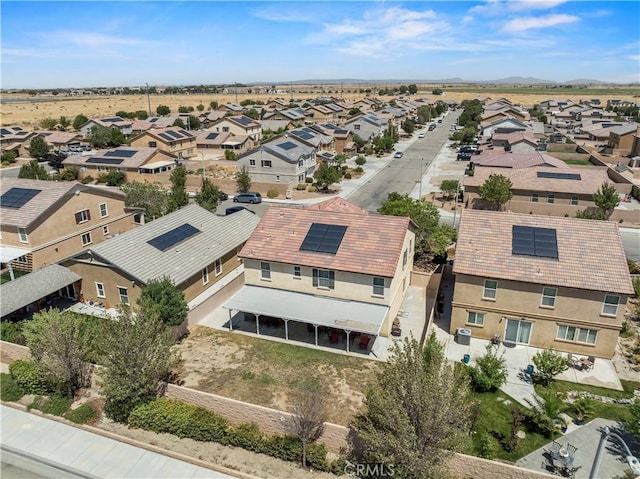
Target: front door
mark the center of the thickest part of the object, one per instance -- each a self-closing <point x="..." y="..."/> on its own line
<point x="518" y="331"/>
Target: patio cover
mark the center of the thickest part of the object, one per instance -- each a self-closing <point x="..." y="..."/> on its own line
<point x="308" y="308"/>
<point x="31" y="287"/>
<point x="9" y="253"/>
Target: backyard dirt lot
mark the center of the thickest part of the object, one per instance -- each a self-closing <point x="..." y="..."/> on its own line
<point x="266" y="372"/>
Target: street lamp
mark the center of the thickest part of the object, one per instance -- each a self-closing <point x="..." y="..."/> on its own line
<point x="203" y="165"/>
<point x="633" y="461"/>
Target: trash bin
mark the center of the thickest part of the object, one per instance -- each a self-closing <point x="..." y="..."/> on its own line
<point x="464" y="336"/>
<point x="530" y="369"/>
<point x="466" y="358"/>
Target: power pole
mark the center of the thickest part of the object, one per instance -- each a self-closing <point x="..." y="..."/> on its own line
<point x="148" y="99"/>
<point x="236" y="93"/>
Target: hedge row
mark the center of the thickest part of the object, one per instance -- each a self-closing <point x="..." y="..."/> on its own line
<point x="184" y="420"/>
<point x="30" y="377"/>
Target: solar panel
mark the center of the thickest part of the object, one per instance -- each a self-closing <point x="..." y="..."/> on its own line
<point x="532" y="241"/>
<point x="211" y="136"/>
<point x="559" y="176"/>
<point x="112" y="120"/>
<point x="287" y="145"/>
<point x="104" y="161"/>
<point x="323" y="238"/>
<point x="4" y="131"/>
<point x="165" y="136"/>
<point x="244" y="120"/>
<point x="121" y="153"/>
<point x="153" y="120"/>
<point x="173" y="237"/>
<point x="174" y="134"/>
<point x="303" y="134"/>
<point x="17" y="197"/>
<point x="184" y="133"/>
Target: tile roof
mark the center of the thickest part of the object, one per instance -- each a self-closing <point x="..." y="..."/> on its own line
<point x="51" y="192"/>
<point x="507" y="159"/>
<point x="59" y="137"/>
<point x="218" y="235"/>
<point x="131" y="157"/>
<point x="168" y="135"/>
<point x="371" y="245"/>
<point x="591" y="178"/>
<point x="515" y="137"/>
<point x="590" y="252"/>
<point x="338" y="205"/>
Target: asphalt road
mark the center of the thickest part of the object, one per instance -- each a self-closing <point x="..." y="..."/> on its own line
<point x="631" y="242"/>
<point x="402" y="174"/>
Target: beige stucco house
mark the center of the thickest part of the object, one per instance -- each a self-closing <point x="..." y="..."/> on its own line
<point x="543" y="281"/>
<point x="238" y="125"/>
<point x="172" y="140"/>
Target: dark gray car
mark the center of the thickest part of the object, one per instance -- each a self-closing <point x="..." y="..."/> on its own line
<point x="252" y="198"/>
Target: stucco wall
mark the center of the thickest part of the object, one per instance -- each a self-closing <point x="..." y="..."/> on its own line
<point x="12" y="352"/>
<point x="462" y="466"/>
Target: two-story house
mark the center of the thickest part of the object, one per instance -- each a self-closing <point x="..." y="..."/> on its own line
<point x="111" y="122"/>
<point x="542" y="281"/>
<point x="314" y="138"/>
<point x="331" y="265"/>
<point x="367" y="126"/>
<point x="172" y="140"/>
<point x="15" y="138"/>
<point x="45" y="221"/>
<point x="238" y="125"/>
<point x="283" y="160"/>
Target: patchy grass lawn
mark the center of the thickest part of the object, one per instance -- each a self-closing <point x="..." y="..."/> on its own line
<point x="267" y="372"/>
<point x="4" y="277"/>
<point x="578" y="162"/>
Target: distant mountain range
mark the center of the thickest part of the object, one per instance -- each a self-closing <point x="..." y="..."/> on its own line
<point x="515" y="80"/>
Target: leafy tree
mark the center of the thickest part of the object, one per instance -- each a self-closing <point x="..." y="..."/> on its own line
<point x="496" y="190"/>
<point x="183" y="109"/>
<point x="354" y="111"/>
<point x="8" y="157"/>
<point x="104" y="136"/>
<point x="413" y="88"/>
<point x="546" y="410"/>
<point x="440" y="239"/>
<point x="229" y="155"/>
<point x="490" y="372"/>
<point x="425" y="215"/>
<point x="633" y="424"/>
<point x="466" y="135"/>
<point x="418" y="413"/>
<point x="207" y="197"/>
<point x="549" y="364"/>
<point x="437" y="91"/>
<point x="194" y="122"/>
<point x="113" y="178"/>
<point x="309" y="413"/>
<point x="606" y="198"/>
<point x="326" y="175"/>
<point x="243" y="179"/>
<point x="179" y="123"/>
<point x="79" y="120"/>
<point x="141" y="115"/>
<point x="48" y="123"/>
<point x="433" y="350"/>
<point x="359" y="142"/>
<point x="384" y="143"/>
<point x="33" y="170"/>
<point x="38" y="148"/>
<point x="64" y="123"/>
<point x="70" y="173"/>
<point x="408" y="126"/>
<point x="137" y="355"/>
<point x="161" y="298"/>
<point x="200" y="107"/>
<point x="597" y="214"/>
<point x="122" y="114"/>
<point x="214" y="105"/>
<point x="252" y="113"/>
<point x="58" y="343"/>
<point x="449" y="187"/>
<point x="424" y="114"/>
<point x="149" y="196"/>
<point x="178" y="196"/>
<point x="163" y="110"/>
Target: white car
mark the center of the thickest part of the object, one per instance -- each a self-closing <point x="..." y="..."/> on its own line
<point x="421" y="134"/>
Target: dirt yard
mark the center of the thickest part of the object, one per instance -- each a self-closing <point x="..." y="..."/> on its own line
<point x="267" y="372"/>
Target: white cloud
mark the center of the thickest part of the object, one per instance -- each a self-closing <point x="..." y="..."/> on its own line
<point x="19" y="52"/>
<point x="529" y="23"/>
<point x="467" y="19"/>
<point x="499" y="7"/>
<point x="519" y="6"/>
<point x="95" y="39"/>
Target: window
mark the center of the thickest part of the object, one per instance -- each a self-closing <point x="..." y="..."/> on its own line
<point x="86" y="239"/>
<point x="580" y="335"/>
<point x="82" y="216"/>
<point x="574" y="201"/>
<point x="610" y="306"/>
<point x="100" y="290"/>
<point x="297" y="273"/>
<point x="105" y="230"/>
<point x="548" y="297"/>
<point x="153" y="144"/>
<point x="323" y="278"/>
<point x="124" y="295"/>
<point x="356" y="126"/>
<point x="103" y="210"/>
<point x="475" y="318"/>
<point x="137" y="218"/>
<point x="277" y="178"/>
<point x="252" y="162"/>
<point x="551" y="199"/>
<point x="21" y="259"/>
<point x="225" y="129"/>
<point x="265" y="270"/>
<point x="534" y="197"/>
<point x="218" y="267"/>
<point x="300" y="163"/>
<point x="266" y="163"/>
<point x="22" y="234"/>
<point x="490" y="289"/>
<point x="205" y="275"/>
<point x="378" y="286"/>
<point x="405" y="258"/>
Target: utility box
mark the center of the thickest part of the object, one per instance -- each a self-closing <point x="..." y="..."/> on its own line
<point x="463" y="336"/>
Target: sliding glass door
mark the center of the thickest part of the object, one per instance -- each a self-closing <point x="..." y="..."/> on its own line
<point x="518" y="331"/>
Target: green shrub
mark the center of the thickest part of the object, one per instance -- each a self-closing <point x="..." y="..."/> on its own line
<point x="361" y="160"/>
<point x="636" y="287"/>
<point x="490" y="371"/>
<point x="358" y="169"/>
<point x="487" y="446"/>
<point x="86" y="180"/>
<point x="308" y="179"/>
<point x="30" y="377"/>
<point x="11" y="331"/>
<point x="56" y="405"/>
<point x="301" y="187"/>
<point x="9" y="389"/>
<point x="273" y="193"/>
<point x="347" y="176"/>
<point x="8" y="157"/>
<point x="83" y="414"/>
<point x="312" y="189"/>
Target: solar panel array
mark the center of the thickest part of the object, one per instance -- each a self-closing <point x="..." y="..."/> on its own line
<point x="121" y="153"/>
<point x="302" y="134"/>
<point x="165" y="136"/>
<point x="17" y="197"/>
<point x="173" y="237"/>
<point x="211" y="136"/>
<point x="4" y="131"/>
<point x="323" y="238"/>
<point x="104" y="161"/>
<point x="174" y="134"/>
<point x="244" y="120"/>
<point x="533" y="241"/>
<point x="112" y="120"/>
<point x="559" y="176"/>
<point x="287" y="145"/>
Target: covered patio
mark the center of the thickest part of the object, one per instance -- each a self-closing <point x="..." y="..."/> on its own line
<point x="351" y="326"/>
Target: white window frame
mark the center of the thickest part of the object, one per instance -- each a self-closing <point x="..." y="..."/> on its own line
<point x="297" y="272"/>
<point x="106" y="210"/>
<point x="485" y="289"/>
<point x="475" y="318"/>
<point x="125" y="295"/>
<point x="574" y="200"/>
<point x="551" y="199"/>
<point x="217" y="265"/>
<point x="266" y="163"/>
<point x="22" y="235"/>
<point x="100" y="291"/>
<point x="405" y="258"/>
<point x="265" y="270"/>
<point x="205" y="275"/>
<point x="252" y="162"/>
<point x="548" y="300"/>
<point x="86" y="238"/>
<point x="83" y="215"/>
<point x="377" y="289"/>
<point x="324" y="278"/>
<point x="575" y="334"/>
<point x="105" y="230"/>
<point x="606" y="305"/>
<point x="535" y="197"/>
<point x="277" y="178"/>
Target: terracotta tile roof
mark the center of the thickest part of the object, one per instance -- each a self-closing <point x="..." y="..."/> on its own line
<point x="338" y="205"/>
<point x="591" y="178"/>
<point x="371" y="245"/>
<point x="59" y="137"/>
<point x="590" y="252"/>
<point x="516" y="160"/>
<point x="515" y="137"/>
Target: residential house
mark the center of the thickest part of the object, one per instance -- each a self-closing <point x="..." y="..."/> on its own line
<point x="509" y="159"/>
<point x="231" y="108"/>
<point x="208" y="117"/>
<point x="367" y="126"/>
<point x="490" y="116"/>
<point x="313" y="138"/>
<point x="137" y="164"/>
<point x="621" y="138"/>
<point x="343" y="139"/>
<point x="544" y="281"/>
<point x="635" y="145"/>
<point x="15" y="138"/>
<point x="517" y="141"/>
<point x="368" y="104"/>
<point x="125" y="126"/>
<point x="282" y="160"/>
<point x="45" y="221"/>
<point x="60" y="140"/>
<point x="320" y="114"/>
<point x="238" y="125"/>
<point x="275" y="126"/>
<point x="211" y="142"/>
<point x="329" y="267"/>
<point x="139" y="126"/>
<point x="277" y="104"/>
<point x="194" y="248"/>
<point x="505" y="124"/>
<point x="172" y="140"/>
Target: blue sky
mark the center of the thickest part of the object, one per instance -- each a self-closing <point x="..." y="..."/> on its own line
<point x="85" y="44"/>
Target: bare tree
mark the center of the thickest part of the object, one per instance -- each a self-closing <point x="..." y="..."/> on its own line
<point x="309" y="413"/>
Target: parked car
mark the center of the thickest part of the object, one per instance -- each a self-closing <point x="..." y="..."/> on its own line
<point x="222" y="196"/>
<point x="398" y="154"/>
<point x="432" y="126"/>
<point x="468" y="149"/>
<point x="234" y="209"/>
<point x="421" y="134"/>
<point x="248" y="198"/>
<point x="464" y="156"/>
